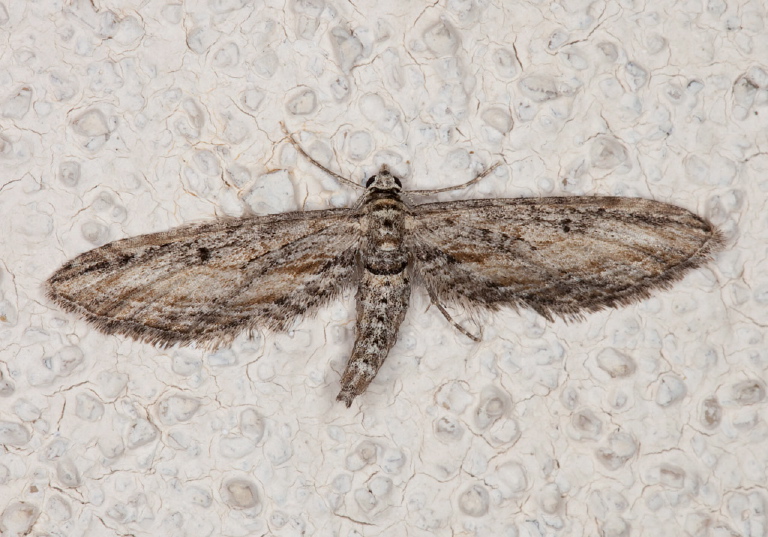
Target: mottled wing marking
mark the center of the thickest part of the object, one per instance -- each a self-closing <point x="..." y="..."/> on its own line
<point x="208" y="282"/>
<point x="559" y="256"/>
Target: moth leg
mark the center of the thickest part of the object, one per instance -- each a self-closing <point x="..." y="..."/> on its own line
<point x="457" y="187"/>
<point x="456" y="325"/>
<point x="382" y="301"/>
<point x="303" y="153"/>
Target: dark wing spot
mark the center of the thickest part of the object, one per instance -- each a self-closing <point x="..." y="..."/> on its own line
<point x="565" y="224"/>
<point x="204" y="253"/>
<point x="124" y="259"/>
<point x="96" y="267"/>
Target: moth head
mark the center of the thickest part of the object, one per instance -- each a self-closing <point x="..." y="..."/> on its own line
<point x="384" y="180"/>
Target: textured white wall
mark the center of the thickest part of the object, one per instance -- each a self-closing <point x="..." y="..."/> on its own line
<point x="119" y="118"/>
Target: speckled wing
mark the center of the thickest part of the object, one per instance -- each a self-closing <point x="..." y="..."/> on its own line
<point x="208" y="282"/>
<point x="561" y="256"/>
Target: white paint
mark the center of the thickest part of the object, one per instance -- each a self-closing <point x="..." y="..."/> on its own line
<point x="171" y="111"/>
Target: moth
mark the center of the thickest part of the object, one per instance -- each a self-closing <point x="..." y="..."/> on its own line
<point x="205" y="283"/>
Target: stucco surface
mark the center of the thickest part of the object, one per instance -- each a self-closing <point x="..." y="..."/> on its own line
<point x="123" y="118"/>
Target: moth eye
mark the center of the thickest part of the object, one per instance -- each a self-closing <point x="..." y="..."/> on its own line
<point x="397" y="182"/>
<point x="370" y="181"/>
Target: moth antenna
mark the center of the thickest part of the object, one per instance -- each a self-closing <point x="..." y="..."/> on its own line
<point x="456" y="187"/>
<point x="306" y="155"/>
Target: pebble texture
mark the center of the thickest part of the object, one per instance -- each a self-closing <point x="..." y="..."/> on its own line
<point x="118" y="119"/>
